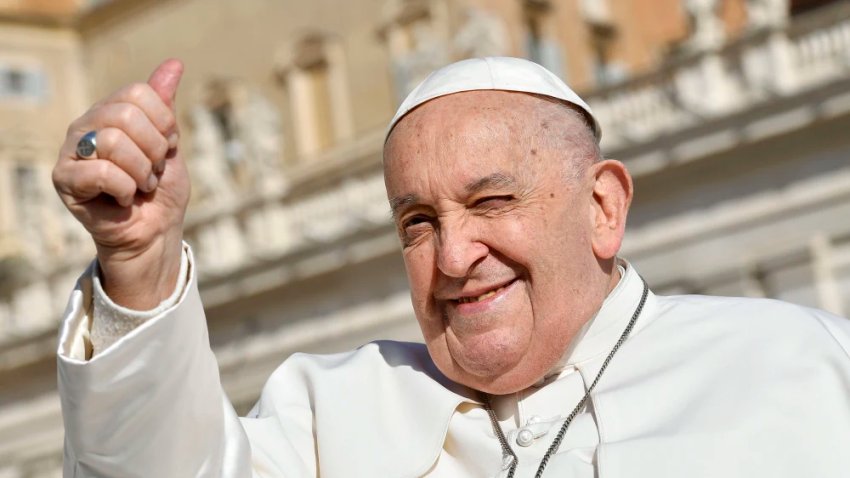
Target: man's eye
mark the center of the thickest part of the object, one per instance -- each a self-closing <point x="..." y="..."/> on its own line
<point x="413" y="221"/>
<point x="414" y="228"/>
<point x="493" y="202"/>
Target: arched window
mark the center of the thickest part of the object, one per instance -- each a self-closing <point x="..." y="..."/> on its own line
<point x="603" y="34"/>
<point x="22" y="82"/>
<point x="313" y="73"/>
<point x="541" y="43"/>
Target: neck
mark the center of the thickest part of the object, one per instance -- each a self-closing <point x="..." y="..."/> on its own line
<point x="615" y="275"/>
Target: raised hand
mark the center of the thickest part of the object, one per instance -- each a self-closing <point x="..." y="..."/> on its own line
<point x="131" y="193"/>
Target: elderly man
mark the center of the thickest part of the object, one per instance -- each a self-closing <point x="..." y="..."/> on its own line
<point x="545" y="354"/>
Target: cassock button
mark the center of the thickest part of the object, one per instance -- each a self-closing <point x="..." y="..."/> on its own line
<point x="525" y="437"/>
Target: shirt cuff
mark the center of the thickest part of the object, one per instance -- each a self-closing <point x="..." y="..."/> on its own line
<point x="111" y="321"/>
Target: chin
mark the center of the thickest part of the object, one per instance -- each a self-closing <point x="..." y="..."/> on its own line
<point x="493" y="371"/>
<point x="501" y="385"/>
<point x="500" y="373"/>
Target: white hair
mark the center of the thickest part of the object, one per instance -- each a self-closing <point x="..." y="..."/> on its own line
<point x="563" y="127"/>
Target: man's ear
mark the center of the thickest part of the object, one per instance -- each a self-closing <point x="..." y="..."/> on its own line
<point x="612" y="196"/>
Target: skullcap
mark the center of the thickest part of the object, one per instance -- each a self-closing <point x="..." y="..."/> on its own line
<point x="492" y="73"/>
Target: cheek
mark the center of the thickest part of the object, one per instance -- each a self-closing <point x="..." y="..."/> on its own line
<point x="514" y="238"/>
<point x="419" y="263"/>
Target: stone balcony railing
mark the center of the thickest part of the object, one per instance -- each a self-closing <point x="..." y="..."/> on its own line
<point x="762" y="65"/>
<point x="342" y="194"/>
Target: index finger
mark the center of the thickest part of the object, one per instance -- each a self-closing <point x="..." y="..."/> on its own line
<point x="148" y="100"/>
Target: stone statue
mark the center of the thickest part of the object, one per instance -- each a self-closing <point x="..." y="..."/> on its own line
<point x="707" y="31"/>
<point x="482" y="34"/>
<point x="211" y="177"/>
<point x="236" y="142"/>
<point x="426" y="55"/>
<point x="29" y="206"/>
<point x="257" y="127"/>
<point x="767" y="13"/>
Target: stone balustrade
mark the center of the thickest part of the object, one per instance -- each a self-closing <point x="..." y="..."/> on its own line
<point x="270" y="229"/>
<point x="776" y="61"/>
<point x="821" y="47"/>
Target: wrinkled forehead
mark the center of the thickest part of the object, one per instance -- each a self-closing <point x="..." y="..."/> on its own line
<point x="468" y="135"/>
<point x="463" y="116"/>
<point x="459" y="117"/>
<point x="488" y="119"/>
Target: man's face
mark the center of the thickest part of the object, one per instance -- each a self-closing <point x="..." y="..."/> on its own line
<point x="496" y="239"/>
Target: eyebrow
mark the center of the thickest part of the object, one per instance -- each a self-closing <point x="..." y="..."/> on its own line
<point x="397" y="203"/>
<point x="492" y="181"/>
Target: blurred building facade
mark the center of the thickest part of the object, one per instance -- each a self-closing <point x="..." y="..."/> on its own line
<point x="731" y="115"/>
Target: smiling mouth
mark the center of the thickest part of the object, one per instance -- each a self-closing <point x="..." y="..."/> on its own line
<point x="484" y="296"/>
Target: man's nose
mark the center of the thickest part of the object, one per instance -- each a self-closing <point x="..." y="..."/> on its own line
<point x="459" y="249"/>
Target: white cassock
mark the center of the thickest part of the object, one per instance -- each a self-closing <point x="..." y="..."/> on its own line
<point x="703" y="387"/>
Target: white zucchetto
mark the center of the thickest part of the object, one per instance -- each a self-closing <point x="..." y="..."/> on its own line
<point x="492" y="73"/>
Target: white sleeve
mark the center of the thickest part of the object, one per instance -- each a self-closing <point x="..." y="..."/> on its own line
<point x="151" y="404"/>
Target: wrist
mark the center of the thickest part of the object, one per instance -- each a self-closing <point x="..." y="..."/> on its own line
<point x="141" y="279"/>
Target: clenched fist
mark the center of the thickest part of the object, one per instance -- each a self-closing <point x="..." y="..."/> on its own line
<point x="131" y="193"/>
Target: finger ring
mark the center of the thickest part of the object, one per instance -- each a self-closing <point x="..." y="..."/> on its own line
<point x="87" y="145"/>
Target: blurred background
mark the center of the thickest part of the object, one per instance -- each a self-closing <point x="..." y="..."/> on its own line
<point x="732" y="115"/>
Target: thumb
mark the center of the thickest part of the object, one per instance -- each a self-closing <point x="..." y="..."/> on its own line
<point x="165" y="79"/>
